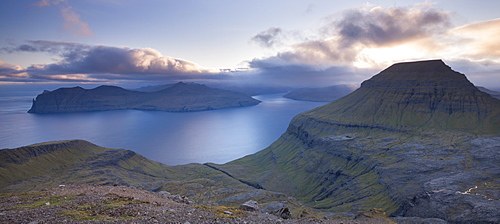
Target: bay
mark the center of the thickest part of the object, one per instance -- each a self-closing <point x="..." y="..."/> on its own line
<point x="215" y="136"/>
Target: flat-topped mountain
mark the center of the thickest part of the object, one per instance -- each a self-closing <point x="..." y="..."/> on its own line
<point x="180" y="97"/>
<point x="324" y="94"/>
<point x="415" y="95"/>
<point x="417" y="139"/>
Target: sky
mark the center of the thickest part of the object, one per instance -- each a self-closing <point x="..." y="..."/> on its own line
<point x="281" y="42"/>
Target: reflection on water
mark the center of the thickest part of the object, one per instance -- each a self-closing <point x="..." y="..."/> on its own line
<point x="171" y="138"/>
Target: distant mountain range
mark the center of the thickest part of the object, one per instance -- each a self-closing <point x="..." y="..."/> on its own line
<point x="417" y="141"/>
<point x="325" y="94"/>
<point x="490" y="92"/>
<point x="179" y="97"/>
<point x="249" y="89"/>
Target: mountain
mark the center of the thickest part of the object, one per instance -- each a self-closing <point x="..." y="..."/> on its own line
<point x="153" y="88"/>
<point x="180" y="97"/>
<point x="252" y="89"/>
<point x="417" y="139"/>
<point x="326" y="94"/>
<point x="52" y="164"/>
<point x="490" y="92"/>
<point x="249" y="89"/>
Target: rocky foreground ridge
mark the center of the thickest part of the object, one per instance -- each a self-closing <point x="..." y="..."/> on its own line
<point x="50" y="183"/>
<point x="180" y="97"/>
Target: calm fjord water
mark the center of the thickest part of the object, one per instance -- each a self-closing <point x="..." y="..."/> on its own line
<point x="172" y="138"/>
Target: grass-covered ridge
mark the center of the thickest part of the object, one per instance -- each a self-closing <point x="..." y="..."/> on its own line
<point x="405" y="142"/>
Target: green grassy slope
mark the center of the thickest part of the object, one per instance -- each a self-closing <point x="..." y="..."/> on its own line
<point x="389" y="145"/>
<point x="51" y="164"/>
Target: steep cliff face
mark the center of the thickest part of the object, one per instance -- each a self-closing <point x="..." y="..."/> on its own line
<point x="417" y="139"/>
<point x="181" y="97"/>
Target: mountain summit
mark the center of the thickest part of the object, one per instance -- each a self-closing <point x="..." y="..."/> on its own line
<point x="415" y="95"/>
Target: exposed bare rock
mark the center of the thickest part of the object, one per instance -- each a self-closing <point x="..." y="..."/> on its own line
<point x="85" y="203"/>
<point x="250" y="206"/>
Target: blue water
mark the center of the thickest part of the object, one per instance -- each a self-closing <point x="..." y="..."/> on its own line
<point x="215" y="136"/>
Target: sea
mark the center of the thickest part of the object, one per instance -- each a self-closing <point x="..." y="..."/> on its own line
<point x="172" y="138"/>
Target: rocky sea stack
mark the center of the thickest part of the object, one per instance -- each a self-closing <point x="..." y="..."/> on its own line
<point x="180" y="97"/>
<point x="416" y="140"/>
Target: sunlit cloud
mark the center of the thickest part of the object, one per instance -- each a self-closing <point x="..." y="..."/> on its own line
<point x="72" y="22"/>
<point x="359" y="34"/>
<point x="479" y="40"/>
<point x="373" y="37"/>
<point x="98" y="62"/>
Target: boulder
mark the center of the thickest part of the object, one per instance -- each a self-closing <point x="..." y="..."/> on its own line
<point x="250" y="205"/>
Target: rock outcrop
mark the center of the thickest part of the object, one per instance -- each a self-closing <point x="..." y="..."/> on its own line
<point x="180" y="97"/>
<point x="416" y="140"/>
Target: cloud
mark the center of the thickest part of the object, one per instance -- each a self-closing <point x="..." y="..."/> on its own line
<point x="343" y="39"/>
<point x="94" y="63"/>
<point x="72" y="22"/>
<point x="375" y="37"/>
<point x="478" y="40"/>
<point x="8" y="71"/>
<point x="384" y="27"/>
<point x="16" y="73"/>
<point x="304" y="76"/>
<point x="267" y="38"/>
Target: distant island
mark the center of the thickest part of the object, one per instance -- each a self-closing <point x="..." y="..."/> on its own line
<point x="179" y="97"/>
<point x="324" y="94"/>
